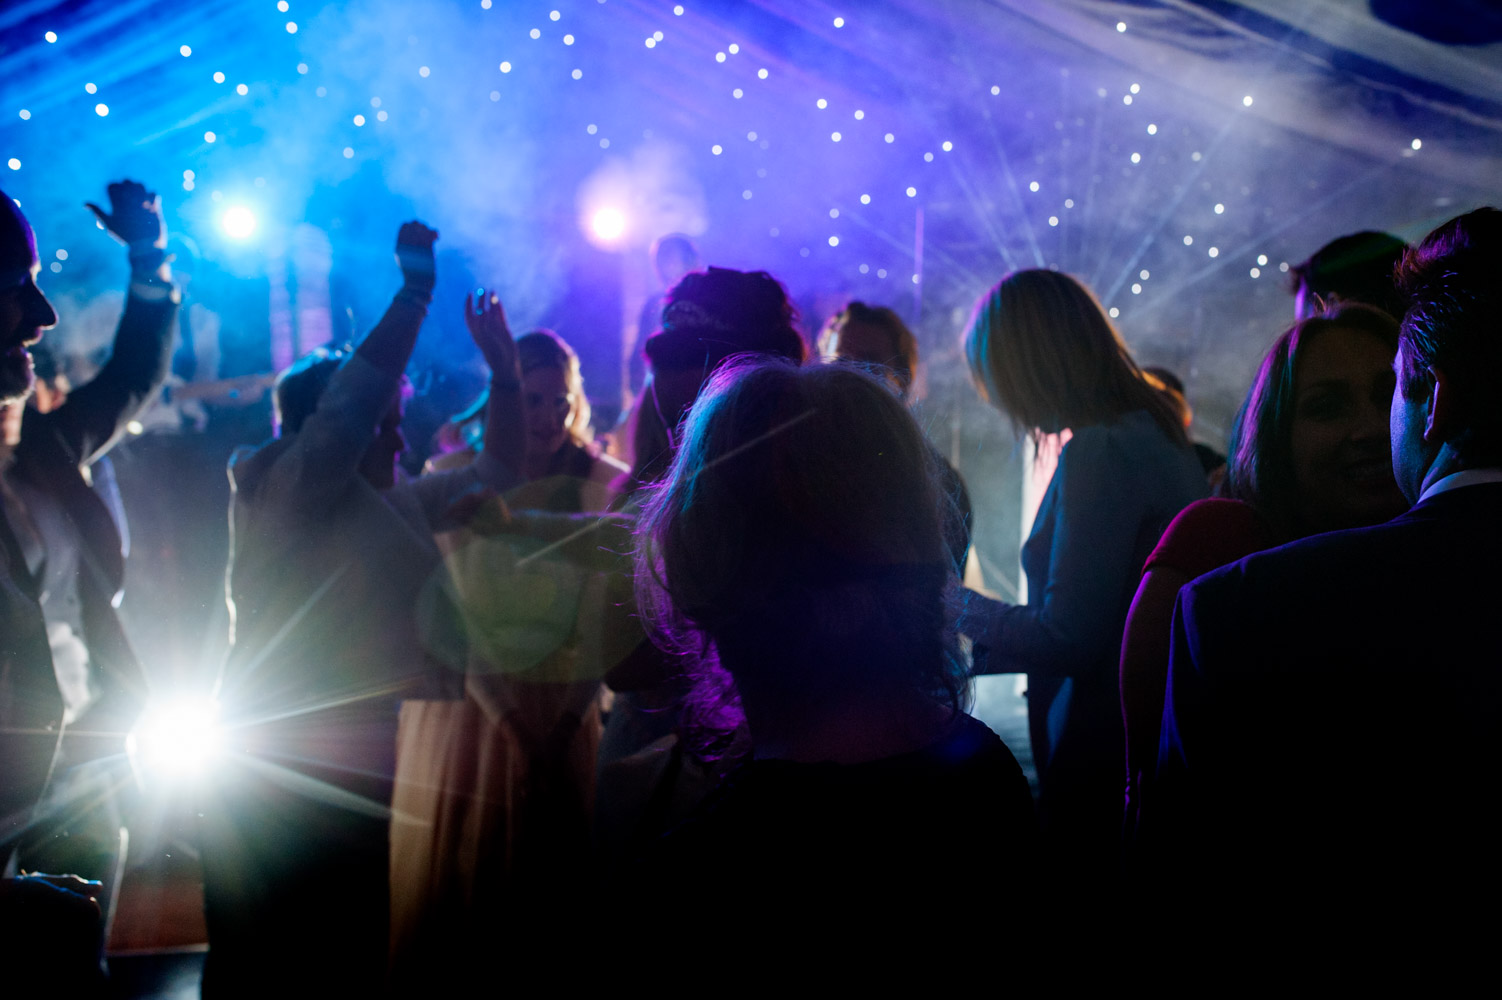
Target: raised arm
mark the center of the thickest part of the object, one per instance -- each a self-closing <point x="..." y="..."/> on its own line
<point x="388" y="348"/>
<point x="325" y="453"/>
<point x="500" y="459"/>
<point x="450" y="499"/>
<point x="94" y="417"/>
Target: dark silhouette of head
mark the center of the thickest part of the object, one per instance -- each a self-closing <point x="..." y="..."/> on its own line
<point x="300" y="389"/>
<point x="799" y="534"/>
<point x="1354" y="268"/>
<point x="1451" y="333"/>
<point x="710" y="316"/>
<point x="24" y="310"/>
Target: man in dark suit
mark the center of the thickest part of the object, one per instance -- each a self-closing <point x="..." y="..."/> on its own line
<point x="1331" y="736"/>
<point x="60" y="568"/>
<point x="71" y="545"/>
<point x="30" y="704"/>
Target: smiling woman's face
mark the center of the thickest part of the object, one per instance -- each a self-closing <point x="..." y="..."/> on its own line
<point x="549" y="408"/>
<point x="1342" y="463"/>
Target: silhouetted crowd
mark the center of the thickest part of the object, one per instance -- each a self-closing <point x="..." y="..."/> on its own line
<point x="695" y="695"/>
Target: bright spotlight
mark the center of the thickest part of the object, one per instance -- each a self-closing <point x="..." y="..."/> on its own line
<point x="608" y="224"/>
<point x="177" y="739"/>
<point x="238" y="222"/>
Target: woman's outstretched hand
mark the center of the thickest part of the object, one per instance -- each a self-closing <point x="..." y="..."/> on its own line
<point x="486" y="319"/>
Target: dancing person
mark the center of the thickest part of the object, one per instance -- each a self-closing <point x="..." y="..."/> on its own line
<point x="1309" y="453"/>
<point x="79" y="553"/>
<point x="494" y="791"/>
<point x="560" y="450"/>
<point x="794" y="557"/>
<point x="328" y="557"/>
<point x="1354" y="268"/>
<point x="1043" y="352"/>
<point x="1282" y="808"/>
<point x="60" y="557"/>
<point x="710" y="317"/>
<point x="877" y="336"/>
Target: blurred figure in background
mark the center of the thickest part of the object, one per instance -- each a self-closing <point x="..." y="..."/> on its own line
<point x="877" y="337"/>
<point x="1354" y="268"/>
<point x="1212" y="461"/>
<point x="673" y="257"/>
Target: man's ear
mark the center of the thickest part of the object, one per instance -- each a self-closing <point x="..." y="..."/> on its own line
<point x="1442" y="408"/>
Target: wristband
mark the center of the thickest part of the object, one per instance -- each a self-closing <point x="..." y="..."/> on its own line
<point x="415" y="295"/>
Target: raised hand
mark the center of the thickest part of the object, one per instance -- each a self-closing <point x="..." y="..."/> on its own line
<point x="486" y="319"/>
<point x="414" y="252"/>
<point x="135" y="216"/>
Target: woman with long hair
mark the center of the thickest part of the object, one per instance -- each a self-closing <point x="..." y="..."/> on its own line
<point x="559" y="441"/>
<point x="495" y="790"/>
<point x="794" y="557"/>
<point x="1043" y="352"/>
<point x="1309" y="453"/>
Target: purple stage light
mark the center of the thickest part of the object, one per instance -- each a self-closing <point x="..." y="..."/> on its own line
<point x="608" y="224"/>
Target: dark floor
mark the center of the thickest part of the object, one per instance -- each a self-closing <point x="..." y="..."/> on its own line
<point x="172" y="975"/>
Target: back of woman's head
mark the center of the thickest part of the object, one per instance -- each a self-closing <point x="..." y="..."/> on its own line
<point x="1260" y="469"/>
<point x="1042" y="350"/>
<point x="800" y="528"/>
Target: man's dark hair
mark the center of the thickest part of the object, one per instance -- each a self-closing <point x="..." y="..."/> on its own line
<point x="299" y="388"/>
<point x="1453" y="281"/>
<point x="1354" y="268"/>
